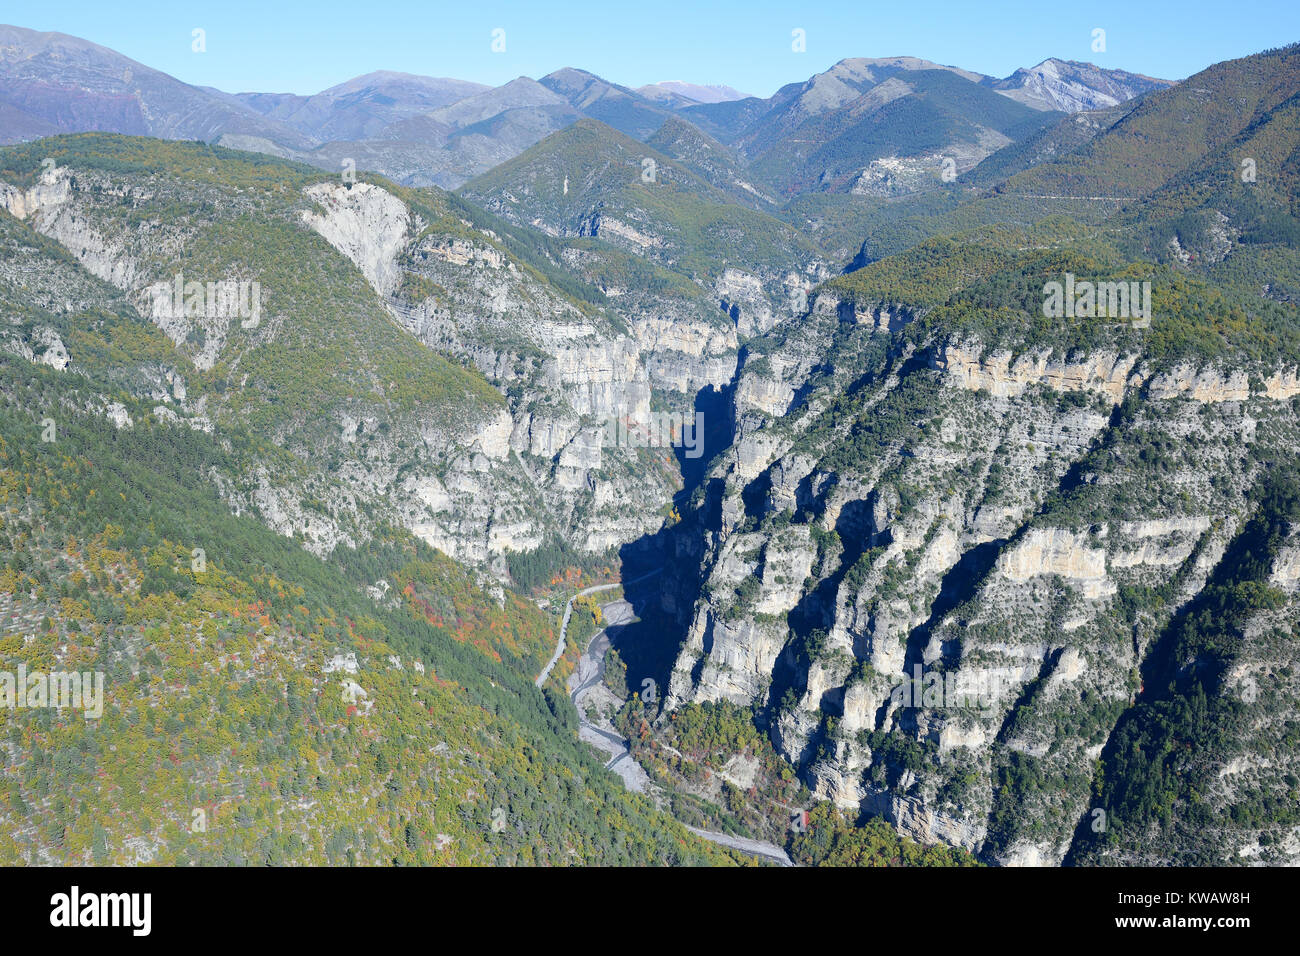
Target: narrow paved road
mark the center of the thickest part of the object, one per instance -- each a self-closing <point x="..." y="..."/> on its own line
<point x="568" y="612"/>
<point x="769" y="851"/>
<point x="587" y="675"/>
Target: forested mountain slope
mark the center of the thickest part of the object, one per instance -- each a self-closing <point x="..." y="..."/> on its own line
<point x="259" y="704"/>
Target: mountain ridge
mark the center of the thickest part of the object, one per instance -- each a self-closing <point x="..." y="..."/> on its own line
<point x="425" y="130"/>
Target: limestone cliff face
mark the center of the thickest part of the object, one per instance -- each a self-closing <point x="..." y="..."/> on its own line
<point x="1107" y="373"/>
<point x="686" y="342"/>
<point x="737" y="637"/>
<point x="1283" y="385"/>
<point x="770" y="396"/>
<point x="1058" y="551"/>
<point x="566" y="368"/>
<point x="474" y="481"/>
<point x="686" y="356"/>
<point x="366" y="224"/>
<point x="48" y="207"/>
<point x="44" y="346"/>
<point x="971" y="518"/>
<point x="1201" y="385"/>
<point x="1163" y="542"/>
<point x="1286" y="568"/>
<point x="602" y="379"/>
<point x="620" y="232"/>
<point x="52" y="189"/>
<point x="1005" y="375"/>
<point x="877" y="316"/>
<point x="743" y="295"/>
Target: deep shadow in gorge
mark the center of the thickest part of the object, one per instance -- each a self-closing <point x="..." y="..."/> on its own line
<point x="649" y="646"/>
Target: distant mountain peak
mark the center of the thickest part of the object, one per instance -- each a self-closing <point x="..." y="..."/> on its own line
<point x="383" y="78"/>
<point x="665" y="90"/>
<point x="52" y="82"/>
<point x="1073" y="86"/>
<point x="915" y="63"/>
<point x="571" y="74"/>
<point x="1056" y="63"/>
<point x="624" y="109"/>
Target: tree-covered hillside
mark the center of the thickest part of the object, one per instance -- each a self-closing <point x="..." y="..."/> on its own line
<point x="226" y="735"/>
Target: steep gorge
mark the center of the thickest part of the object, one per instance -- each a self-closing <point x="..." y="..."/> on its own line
<point x="1020" y="527"/>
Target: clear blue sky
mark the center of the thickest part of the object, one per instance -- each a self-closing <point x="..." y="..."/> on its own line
<point x="305" y="47"/>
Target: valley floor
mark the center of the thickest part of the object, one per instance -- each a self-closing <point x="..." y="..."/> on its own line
<point x="586" y="687"/>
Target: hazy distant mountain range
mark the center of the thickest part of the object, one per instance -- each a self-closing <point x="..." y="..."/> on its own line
<point x="438" y="131"/>
<point x="667" y="89"/>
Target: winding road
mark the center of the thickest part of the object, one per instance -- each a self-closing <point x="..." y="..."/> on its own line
<point x="568" y="612"/>
<point x="589" y="673"/>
